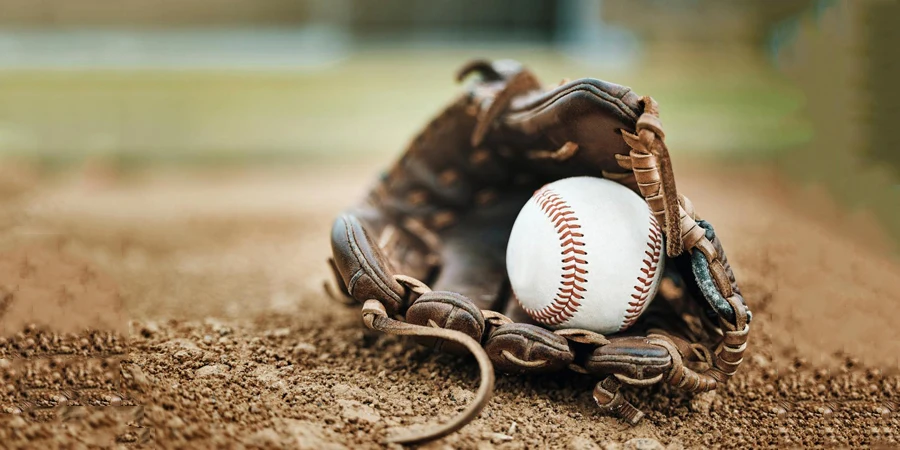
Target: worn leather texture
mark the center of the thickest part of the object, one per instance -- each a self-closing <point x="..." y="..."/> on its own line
<point x="442" y="214"/>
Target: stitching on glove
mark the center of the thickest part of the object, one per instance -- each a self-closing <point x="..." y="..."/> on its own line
<point x="572" y="288"/>
<point x="645" y="280"/>
<point x="367" y="268"/>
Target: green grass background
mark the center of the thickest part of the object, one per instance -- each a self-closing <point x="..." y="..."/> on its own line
<point x="369" y="104"/>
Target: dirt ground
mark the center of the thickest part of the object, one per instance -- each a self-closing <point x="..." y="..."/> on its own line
<point x="212" y="328"/>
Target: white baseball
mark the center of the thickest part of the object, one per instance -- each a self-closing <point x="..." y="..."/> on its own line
<point x="585" y="253"/>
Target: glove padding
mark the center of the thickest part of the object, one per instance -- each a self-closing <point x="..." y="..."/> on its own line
<point x="425" y="250"/>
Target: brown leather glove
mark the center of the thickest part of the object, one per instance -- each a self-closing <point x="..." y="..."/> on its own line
<point x="425" y="251"/>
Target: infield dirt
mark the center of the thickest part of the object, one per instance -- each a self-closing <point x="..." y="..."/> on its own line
<point x="213" y="329"/>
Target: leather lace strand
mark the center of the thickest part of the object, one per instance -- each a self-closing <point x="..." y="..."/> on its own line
<point x="375" y="317"/>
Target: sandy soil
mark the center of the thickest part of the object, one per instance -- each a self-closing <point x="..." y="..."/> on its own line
<point x="212" y="328"/>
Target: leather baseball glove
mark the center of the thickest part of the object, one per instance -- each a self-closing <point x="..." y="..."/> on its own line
<point x="424" y="252"/>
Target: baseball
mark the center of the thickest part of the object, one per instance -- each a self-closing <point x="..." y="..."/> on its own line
<point x="585" y="253"/>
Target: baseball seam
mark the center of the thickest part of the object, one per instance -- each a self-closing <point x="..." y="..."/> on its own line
<point x="648" y="273"/>
<point x="571" y="289"/>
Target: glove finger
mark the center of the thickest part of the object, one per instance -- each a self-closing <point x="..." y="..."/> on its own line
<point x="364" y="270"/>
<point x="520" y="347"/>
<point x="447" y="310"/>
<point x="633" y="359"/>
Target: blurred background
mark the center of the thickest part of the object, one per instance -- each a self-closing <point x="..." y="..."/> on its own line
<point x="127" y="86"/>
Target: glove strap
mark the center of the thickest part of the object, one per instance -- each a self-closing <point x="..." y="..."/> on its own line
<point x="376" y="318"/>
<point x="611" y="401"/>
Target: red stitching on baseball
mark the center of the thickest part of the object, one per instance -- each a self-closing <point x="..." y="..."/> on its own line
<point x="571" y="287"/>
<point x="654" y="244"/>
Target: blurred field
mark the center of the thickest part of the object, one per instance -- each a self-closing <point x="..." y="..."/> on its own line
<point x="367" y="104"/>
